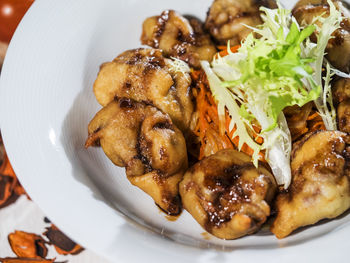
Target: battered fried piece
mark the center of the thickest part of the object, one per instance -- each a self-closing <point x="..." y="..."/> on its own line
<point x="309" y="2"/>
<point x="178" y="37"/>
<point x="338" y="49"/>
<point x="227" y="195"/>
<point x="320" y="185"/>
<point x="226" y="19"/>
<point x="147" y="143"/>
<point x="343" y="115"/>
<point x="341" y="98"/>
<point x="297" y="119"/>
<point x="341" y="90"/>
<point x="146" y="76"/>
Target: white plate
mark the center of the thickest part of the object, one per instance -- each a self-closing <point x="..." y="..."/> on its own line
<point x="46" y="104"/>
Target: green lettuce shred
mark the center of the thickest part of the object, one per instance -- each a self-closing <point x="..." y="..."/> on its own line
<point x="324" y="33"/>
<point x="279" y="68"/>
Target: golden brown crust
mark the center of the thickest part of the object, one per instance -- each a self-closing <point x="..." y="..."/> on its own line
<point x="144" y="75"/>
<point x="320" y="185"/>
<point x="226" y="19"/>
<point x="341" y="90"/>
<point x="178" y="37"/>
<point x="338" y="48"/>
<point x="343" y="114"/>
<point x="145" y="141"/>
<point x="227" y="195"/>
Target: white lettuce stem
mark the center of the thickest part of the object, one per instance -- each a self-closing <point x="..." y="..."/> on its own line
<point x="277" y="147"/>
<point x="225" y="99"/>
<point x="329" y="25"/>
<point x="278" y="153"/>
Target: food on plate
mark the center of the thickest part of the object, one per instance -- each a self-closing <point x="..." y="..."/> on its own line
<point x="144" y="75"/>
<point x="227" y="195"/>
<point x="321" y="182"/>
<point x="206" y="117"/>
<point x="341" y="90"/>
<point x="227" y="20"/>
<point x="302" y="120"/>
<point x="145" y="141"/>
<point x="258" y="80"/>
<point x="338" y="48"/>
<point x="343" y="113"/>
<point x="178" y="37"/>
<point x="264" y="120"/>
<point x="341" y="97"/>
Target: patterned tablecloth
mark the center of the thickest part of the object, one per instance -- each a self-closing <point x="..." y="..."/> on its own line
<point x="26" y="235"/>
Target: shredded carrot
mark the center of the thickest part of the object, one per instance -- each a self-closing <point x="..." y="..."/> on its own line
<point x="315" y="122"/>
<point x="302" y="120"/>
<point x="208" y="125"/>
<point x="223" y="50"/>
<point x="313" y="116"/>
<point x="207" y="128"/>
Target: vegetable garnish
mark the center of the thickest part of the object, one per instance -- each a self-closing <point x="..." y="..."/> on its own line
<point x="324" y="103"/>
<point x="207" y="128"/>
<point x="275" y="67"/>
<point x="178" y="66"/>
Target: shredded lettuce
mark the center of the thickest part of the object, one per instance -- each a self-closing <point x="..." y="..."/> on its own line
<point x="227" y="99"/>
<point x="324" y="103"/>
<point x="279" y="68"/>
<point x="178" y="66"/>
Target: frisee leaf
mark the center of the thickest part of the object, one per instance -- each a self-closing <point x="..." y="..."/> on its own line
<point x="178" y="66"/>
<point x="280" y="68"/>
<point x="266" y="75"/>
<point x="324" y="33"/>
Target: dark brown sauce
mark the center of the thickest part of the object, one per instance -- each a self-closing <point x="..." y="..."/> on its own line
<point x="126" y="103"/>
<point x="169" y="217"/>
<point x="161" y="23"/>
<point x="206" y="235"/>
<point x="163" y="125"/>
<point x="135" y="59"/>
<point x="172" y="218"/>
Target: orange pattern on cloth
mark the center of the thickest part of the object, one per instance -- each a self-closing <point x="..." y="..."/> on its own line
<point x="10" y="188"/>
<point x="29" y="247"/>
<point x="26" y="260"/>
<point x="63" y="244"/>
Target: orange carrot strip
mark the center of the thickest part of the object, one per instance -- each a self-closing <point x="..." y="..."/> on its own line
<point x="224" y="52"/>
